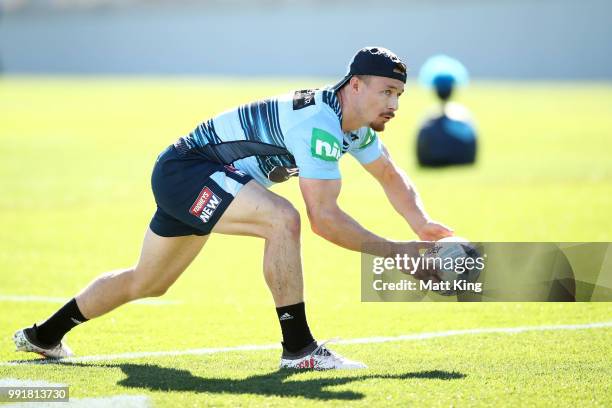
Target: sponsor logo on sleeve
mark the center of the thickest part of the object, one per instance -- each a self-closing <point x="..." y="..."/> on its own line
<point x="369" y="138"/>
<point x="324" y="145"/>
<point x="302" y="99"/>
<point x="205" y="205"/>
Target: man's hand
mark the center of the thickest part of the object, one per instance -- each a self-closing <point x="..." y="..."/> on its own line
<point x="433" y="231"/>
<point x="413" y="249"/>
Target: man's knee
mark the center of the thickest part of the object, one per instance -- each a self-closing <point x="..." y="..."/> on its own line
<point x="143" y="288"/>
<point x="285" y="220"/>
<point x="153" y="291"/>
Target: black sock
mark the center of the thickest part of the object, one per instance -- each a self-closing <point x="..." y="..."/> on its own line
<point x="54" y="328"/>
<point x="296" y="334"/>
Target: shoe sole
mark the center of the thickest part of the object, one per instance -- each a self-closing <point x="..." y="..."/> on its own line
<point x="23" y="344"/>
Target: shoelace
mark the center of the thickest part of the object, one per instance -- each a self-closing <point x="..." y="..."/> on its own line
<point x="321" y="350"/>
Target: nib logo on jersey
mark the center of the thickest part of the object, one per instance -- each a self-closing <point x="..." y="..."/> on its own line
<point x="324" y="145"/>
<point x="205" y="205"/>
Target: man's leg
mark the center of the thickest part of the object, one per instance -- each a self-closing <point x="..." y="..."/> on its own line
<point x="258" y="212"/>
<point x="261" y="213"/>
<point x="161" y="262"/>
<point x="254" y="211"/>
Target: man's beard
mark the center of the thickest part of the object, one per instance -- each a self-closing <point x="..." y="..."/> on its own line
<point x="378" y="126"/>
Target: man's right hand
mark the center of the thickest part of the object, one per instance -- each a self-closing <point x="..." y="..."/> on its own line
<point x="434" y="231"/>
<point x="414" y="249"/>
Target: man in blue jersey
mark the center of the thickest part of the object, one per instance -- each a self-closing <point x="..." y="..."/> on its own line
<point x="215" y="179"/>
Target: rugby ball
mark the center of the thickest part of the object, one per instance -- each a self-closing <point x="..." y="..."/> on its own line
<point x="458" y="264"/>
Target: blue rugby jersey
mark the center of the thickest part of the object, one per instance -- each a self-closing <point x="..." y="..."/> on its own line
<point x="298" y="133"/>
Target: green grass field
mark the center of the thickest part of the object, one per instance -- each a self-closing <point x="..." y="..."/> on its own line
<point x="75" y="162"/>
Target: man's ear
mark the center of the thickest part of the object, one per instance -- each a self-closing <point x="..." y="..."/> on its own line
<point x="355" y="83"/>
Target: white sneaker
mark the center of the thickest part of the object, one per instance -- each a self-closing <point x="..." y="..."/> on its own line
<point x="25" y="340"/>
<point x="321" y="358"/>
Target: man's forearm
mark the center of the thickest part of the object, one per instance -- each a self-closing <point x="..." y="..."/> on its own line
<point x="341" y="229"/>
<point x="405" y="199"/>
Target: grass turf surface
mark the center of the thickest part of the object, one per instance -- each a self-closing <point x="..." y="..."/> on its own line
<point x="75" y="200"/>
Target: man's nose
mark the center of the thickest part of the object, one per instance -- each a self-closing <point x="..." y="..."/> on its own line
<point x="394" y="104"/>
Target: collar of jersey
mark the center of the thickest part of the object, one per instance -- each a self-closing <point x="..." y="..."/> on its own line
<point x="330" y="97"/>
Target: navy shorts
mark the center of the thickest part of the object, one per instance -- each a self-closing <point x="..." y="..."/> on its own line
<point x="191" y="193"/>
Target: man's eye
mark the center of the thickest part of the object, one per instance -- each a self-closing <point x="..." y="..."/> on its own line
<point x="387" y="92"/>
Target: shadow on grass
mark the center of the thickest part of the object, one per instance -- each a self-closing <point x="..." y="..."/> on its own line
<point x="156" y="378"/>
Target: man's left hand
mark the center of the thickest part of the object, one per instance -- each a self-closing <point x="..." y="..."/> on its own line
<point x="433" y="231"/>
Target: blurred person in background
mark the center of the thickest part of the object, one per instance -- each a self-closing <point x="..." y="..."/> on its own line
<point x="448" y="135"/>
